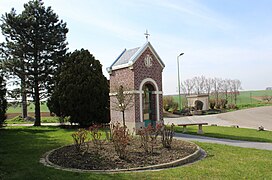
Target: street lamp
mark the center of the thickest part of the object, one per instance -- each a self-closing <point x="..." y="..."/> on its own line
<point x="179" y="81"/>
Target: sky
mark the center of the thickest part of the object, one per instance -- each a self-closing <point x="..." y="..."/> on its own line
<point x="227" y="39"/>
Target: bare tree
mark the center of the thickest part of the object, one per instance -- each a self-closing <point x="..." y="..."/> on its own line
<point x="226" y="87"/>
<point x="235" y="87"/>
<point x="219" y="88"/>
<point x="124" y="101"/>
<point x="188" y="86"/>
<point x="217" y="84"/>
<point x="200" y="84"/>
<point x="208" y="85"/>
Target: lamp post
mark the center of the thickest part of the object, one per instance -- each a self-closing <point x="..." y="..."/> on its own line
<point x="179" y="81"/>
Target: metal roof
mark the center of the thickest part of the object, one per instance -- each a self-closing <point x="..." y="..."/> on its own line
<point x="125" y="56"/>
<point x="128" y="57"/>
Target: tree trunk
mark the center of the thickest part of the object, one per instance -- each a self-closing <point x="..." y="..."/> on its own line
<point x="124" y="122"/>
<point x="37" y="104"/>
<point x="24" y="98"/>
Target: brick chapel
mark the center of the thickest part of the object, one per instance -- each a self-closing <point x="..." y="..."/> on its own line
<point x="140" y="71"/>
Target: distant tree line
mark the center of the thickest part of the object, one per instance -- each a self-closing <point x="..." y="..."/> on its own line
<point x="216" y="88"/>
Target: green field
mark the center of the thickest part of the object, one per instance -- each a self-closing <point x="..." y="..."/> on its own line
<point x="22" y="147"/>
<point x="245" y="97"/>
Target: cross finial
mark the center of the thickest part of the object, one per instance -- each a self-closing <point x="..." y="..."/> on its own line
<point x="146" y="35"/>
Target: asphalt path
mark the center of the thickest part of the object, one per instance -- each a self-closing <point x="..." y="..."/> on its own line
<point x="249" y="118"/>
<point x="243" y="144"/>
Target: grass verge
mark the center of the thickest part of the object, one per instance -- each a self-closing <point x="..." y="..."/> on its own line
<point x="22" y="147"/>
<point x="230" y="133"/>
<point x="19" y="120"/>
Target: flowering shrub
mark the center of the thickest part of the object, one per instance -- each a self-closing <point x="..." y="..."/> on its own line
<point x="120" y="138"/>
<point x="80" y="138"/>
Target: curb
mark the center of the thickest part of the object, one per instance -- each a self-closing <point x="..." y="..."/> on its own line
<point x="196" y="156"/>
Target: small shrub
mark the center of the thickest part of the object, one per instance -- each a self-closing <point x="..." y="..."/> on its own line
<point x="223" y="103"/>
<point x="120" y="138"/>
<point x="169" y="103"/>
<point x="96" y="136"/>
<point x="232" y="106"/>
<point x="108" y="134"/>
<point x="218" y="105"/>
<point x="212" y="103"/>
<point x="167" y="134"/>
<point x="148" y="136"/>
<point x="80" y="138"/>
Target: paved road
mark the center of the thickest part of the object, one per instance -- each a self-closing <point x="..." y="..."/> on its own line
<point x="244" y="144"/>
<point x="248" y="118"/>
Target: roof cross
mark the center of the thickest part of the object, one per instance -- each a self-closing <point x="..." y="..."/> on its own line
<point x="146" y="35"/>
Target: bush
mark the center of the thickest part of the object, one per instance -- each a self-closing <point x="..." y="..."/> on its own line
<point x="120" y="138"/>
<point x="232" y="106"/>
<point x="221" y="104"/>
<point x="212" y="103"/>
<point x="96" y="136"/>
<point x="80" y="138"/>
<point x="167" y="134"/>
<point x="148" y="136"/>
<point x="169" y="103"/>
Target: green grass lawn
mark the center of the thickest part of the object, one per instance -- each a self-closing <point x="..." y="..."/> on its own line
<point x="22" y="147"/>
<point x="30" y="108"/>
<point x="230" y="133"/>
<point x="17" y="120"/>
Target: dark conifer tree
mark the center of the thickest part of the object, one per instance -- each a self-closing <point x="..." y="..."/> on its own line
<point x="82" y="90"/>
<point x="3" y="101"/>
<point x="35" y="44"/>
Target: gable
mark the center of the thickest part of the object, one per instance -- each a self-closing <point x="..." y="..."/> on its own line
<point x="128" y="57"/>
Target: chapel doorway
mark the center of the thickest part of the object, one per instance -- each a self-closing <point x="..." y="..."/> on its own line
<point x="149" y="107"/>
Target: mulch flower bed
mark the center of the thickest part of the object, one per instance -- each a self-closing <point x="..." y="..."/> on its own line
<point x="107" y="159"/>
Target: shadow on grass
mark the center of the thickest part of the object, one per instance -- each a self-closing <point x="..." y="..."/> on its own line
<point x="22" y="147"/>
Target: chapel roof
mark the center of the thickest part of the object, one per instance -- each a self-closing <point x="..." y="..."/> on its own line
<point x="128" y="57"/>
<point x="125" y="56"/>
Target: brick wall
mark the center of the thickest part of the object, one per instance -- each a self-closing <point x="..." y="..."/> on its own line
<point x="131" y="79"/>
<point x="142" y="72"/>
<point x="154" y="72"/>
<point x="124" y="77"/>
